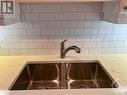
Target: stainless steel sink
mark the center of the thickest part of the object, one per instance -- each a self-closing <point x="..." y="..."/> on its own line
<point x="63" y="75"/>
<point x="38" y="76"/>
<point x="88" y="75"/>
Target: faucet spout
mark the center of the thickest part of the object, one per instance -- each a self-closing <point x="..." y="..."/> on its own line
<point x="77" y="49"/>
<point x="63" y="51"/>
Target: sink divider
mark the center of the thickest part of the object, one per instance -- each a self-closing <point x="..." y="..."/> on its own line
<point x="63" y="76"/>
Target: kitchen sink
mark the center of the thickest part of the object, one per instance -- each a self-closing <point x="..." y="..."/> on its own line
<point x="88" y="75"/>
<point x="63" y="75"/>
<point x="38" y="76"/>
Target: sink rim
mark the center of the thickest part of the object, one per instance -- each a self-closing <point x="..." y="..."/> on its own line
<point x="63" y="62"/>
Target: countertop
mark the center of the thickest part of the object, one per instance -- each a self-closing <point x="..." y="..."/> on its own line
<point x="116" y="65"/>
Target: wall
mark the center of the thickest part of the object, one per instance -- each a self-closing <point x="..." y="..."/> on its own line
<point x="44" y="26"/>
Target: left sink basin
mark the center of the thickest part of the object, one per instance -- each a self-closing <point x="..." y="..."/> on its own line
<point x="37" y="75"/>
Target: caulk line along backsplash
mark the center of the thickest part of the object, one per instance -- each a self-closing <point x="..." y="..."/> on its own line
<point x="43" y="26"/>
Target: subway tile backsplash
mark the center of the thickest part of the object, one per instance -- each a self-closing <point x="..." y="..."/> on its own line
<point x="43" y="26"/>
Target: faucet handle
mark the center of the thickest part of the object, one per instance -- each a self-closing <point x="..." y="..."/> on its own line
<point x="64" y="41"/>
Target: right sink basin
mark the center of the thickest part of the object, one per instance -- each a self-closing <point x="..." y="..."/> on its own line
<point x="88" y="75"/>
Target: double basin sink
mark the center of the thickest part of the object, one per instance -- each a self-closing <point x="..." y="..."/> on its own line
<point x="63" y="75"/>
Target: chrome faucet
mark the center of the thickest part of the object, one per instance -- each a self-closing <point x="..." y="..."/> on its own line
<point x="63" y="51"/>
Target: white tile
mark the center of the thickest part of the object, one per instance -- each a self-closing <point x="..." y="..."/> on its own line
<point x="110" y="37"/>
<point x="18" y="32"/>
<point x="2" y="40"/>
<point x="92" y="16"/>
<point x="62" y="16"/>
<point x="89" y="44"/>
<point x="41" y="40"/>
<point x="25" y="8"/>
<point x="108" y="50"/>
<point x="77" y="16"/>
<point x="105" y="30"/>
<point x="42" y="24"/>
<point x="82" y="38"/>
<point x="7" y="45"/>
<point x="52" y="45"/>
<point x="84" y="7"/>
<point x="63" y="32"/>
<point x="54" y="52"/>
<point x="6" y="32"/>
<point x="12" y="39"/>
<point x="22" y="17"/>
<point x="54" y="24"/>
<point x="53" y="7"/>
<point x="32" y="16"/>
<point x="69" y="7"/>
<point x="118" y="44"/>
<point x="4" y="52"/>
<point x="69" y="24"/>
<point x="96" y="7"/>
<point x="124" y="44"/>
<point x="84" y="51"/>
<point x="45" y="32"/>
<point x="94" y="50"/>
<point x="28" y="51"/>
<point x="21" y="45"/>
<point x="97" y="38"/>
<point x="42" y="51"/>
<point x="33" y="32"/>
<point x="38" y="45"/>
<point x="105" y="44"/>
<point x="36" y="8"/>
<point x="34" y="45"/>
<point x="121" y="50"/>
<point x="15" y="52"/>
<point x="90" y="31"/>
<point x="28" y="16"/>
<point x="122" y="37"/>
<point x="76" y="31"/>
<point x="47" y="16"/>
<point x="84" y="24"/>
<point x="23" y="40"/>
<point x="25" y="25"/>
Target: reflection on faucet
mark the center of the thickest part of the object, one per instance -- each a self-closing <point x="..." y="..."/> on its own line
<point x="63" y="51"/>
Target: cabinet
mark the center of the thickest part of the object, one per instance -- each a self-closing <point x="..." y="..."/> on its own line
<point x="115" y="12"/>
<point x="62" y="0"/>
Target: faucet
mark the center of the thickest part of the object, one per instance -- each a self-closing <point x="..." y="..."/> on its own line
<point x="63" y="51"/>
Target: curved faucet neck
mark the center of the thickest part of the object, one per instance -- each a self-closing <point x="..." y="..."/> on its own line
<point x="63" y="51"/>
<point x="75" y="48"/>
